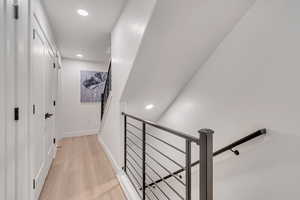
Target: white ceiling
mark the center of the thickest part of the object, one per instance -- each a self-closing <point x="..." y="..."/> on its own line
<point x="178" y="40"/>
<point x="89" y="36"/>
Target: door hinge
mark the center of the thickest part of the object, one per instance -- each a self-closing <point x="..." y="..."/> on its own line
<point x="16" y="11"/>
<point x="16" y="114"/>
<point x="54" y="140"/>
<point x="33" y="33"/>
<point x="33" y="184"/>
<point x="54" y="103"/>
<point x="54" y="66"/>
<point x="33" y="109"/>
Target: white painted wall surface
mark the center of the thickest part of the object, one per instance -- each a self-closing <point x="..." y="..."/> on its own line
<point x="22" y="100"/>
<point x="180" y="37"/>
<point x="250" y="82"/>
<point x="2" y="106"/>
<point x="77" y="118"/>
<point x="126" y="39"/>
<point x="39" y="11"/>
<point x="10" y="101"/>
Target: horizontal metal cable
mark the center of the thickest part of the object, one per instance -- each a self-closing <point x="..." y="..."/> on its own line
<point x="148" y="176"/>
<point x="137" y="191"/>
<point x="142" y="178"/>
<point x="136" y="180"/>
<point x="166" y="143"/>
<point x="157" y="138"/>
<point x="252" y="136"/>
<point x="157" y="174"/>
<point x="163" y="180"/>
<point x="158" y="163"/>
<point x="174" y="132"/>
<point x="155" y="149"/>
<point x="135" y="153"/>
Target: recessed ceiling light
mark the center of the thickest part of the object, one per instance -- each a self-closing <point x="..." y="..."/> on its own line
<point x="149" y="107"/>
<point x="79" y="55"/>
<point x="82" y="12"/>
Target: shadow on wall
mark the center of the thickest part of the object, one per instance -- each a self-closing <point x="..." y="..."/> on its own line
<point x="274" y="157"/>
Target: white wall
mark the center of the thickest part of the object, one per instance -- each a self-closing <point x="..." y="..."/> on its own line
<point x="2" y="106"/>
<point x="22" y="91"/>
<point x="126" y="39"/>
<point x="250" y="82"/>
<point x="180" y="37"/>
<point x="40" y="13"/>
<point x="77" y="118"/>
<point x="16" y="180"/>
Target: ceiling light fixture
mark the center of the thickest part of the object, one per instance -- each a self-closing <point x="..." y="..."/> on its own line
<point x="82" y="12"/>
<point x="149" y="107"/>
<point x="79" y="55"/>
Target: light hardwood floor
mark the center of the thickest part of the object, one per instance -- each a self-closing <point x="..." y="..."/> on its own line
<point x="81" y="171"/>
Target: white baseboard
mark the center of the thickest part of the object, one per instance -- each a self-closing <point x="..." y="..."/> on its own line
<point x="113" y="161"/>
<point x="79" y="133"/>
<point x="125" y="183"/>
<point x="127" y="187"/>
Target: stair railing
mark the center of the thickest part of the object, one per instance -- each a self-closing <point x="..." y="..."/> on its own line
<point x="106" y="91"/>
<point x="141" y="167"/>
<point x="139" y="163"/>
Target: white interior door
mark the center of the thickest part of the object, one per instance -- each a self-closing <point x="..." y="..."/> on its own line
<point x="50" y="107"/>
<point x="37" y="123"/>
<point x="43" y="109"/>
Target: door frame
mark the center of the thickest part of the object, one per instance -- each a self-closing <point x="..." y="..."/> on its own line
<point x="35" y="25"/>
<point x="35" y="178"/>
<point x="8" y="99"/>
<point x="2" y="105"/>
<point x="23" y="183"/>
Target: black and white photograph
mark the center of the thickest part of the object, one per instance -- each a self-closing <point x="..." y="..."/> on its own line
<point x="92" y="84"/>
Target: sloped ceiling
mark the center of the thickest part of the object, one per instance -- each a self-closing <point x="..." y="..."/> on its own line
<point x="179" y="38"/>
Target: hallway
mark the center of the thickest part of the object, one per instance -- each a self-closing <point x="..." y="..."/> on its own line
<point x="81" y="171"/>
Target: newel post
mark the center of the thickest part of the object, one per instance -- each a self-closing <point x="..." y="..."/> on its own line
<point x="206" y="164"/>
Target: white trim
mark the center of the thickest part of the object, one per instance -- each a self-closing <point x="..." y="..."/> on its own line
<point x="116" y="167"/>
<point x="125" y="183"/>
<point x="127" y="187"/>
<point x="3" y="162"/>
<point x="79" y="133"/>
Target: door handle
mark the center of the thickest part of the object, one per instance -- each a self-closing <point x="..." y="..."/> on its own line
<point x="48" y="115"/>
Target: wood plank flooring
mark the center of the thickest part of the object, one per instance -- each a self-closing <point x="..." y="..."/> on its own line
<point x="81" y="171"/>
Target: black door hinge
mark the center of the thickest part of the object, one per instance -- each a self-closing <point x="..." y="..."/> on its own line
<point x="16" y="11"/>
<point x="33" y="109"/>
<point x="54" y="66"/>
<point x="54" y="140"/>
<point x="16" y="114"/>
<point x="54" y="103"/>
<point x="33" y="184"/>
<point x="33" y="33"/>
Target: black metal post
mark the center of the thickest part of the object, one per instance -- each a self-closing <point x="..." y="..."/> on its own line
<point x="144" y="161"/>
<point x="188" y="173"/>
<point x="125" y="143"/>
<point x="206" y="164"/>
<point x="102" y="105"/>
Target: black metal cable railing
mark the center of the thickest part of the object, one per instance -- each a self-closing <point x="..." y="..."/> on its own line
<point x="106" y="91"/>
<point x="230" y="147"/>
<point x="145" y="162"/>
<point x="158" y="175"/>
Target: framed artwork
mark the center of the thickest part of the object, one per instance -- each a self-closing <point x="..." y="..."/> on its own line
<point x="92" y="85"/>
